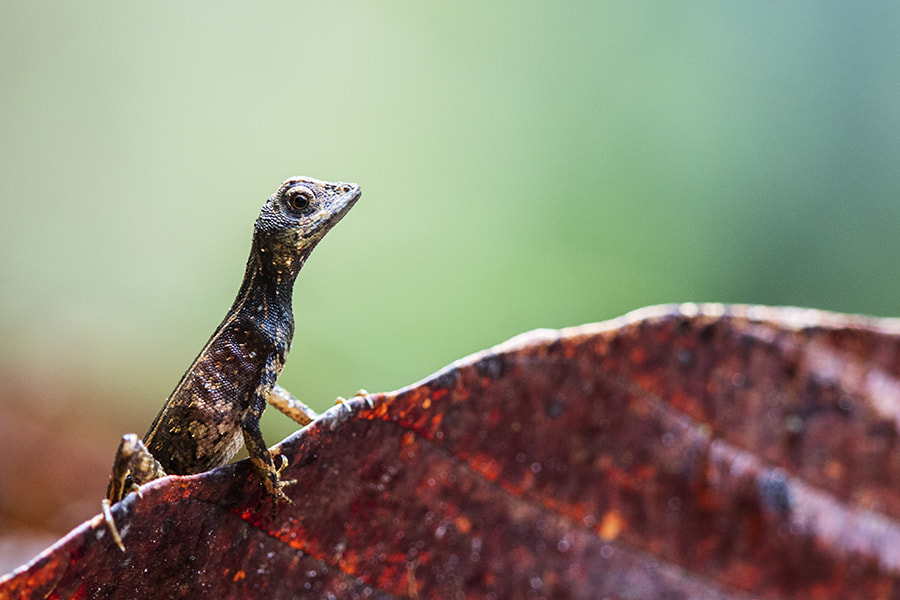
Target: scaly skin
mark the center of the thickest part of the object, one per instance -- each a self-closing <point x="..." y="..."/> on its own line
<point x="216" y="407"/>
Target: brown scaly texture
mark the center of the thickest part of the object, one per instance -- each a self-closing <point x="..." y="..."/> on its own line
<point x="215" y="408"/>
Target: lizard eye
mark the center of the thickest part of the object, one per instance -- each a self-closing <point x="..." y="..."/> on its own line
<point x="299" y="198"/>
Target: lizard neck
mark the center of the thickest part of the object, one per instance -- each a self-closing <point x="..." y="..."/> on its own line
<point x="264" y="301"/>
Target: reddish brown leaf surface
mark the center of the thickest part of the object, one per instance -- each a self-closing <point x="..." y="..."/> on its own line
<point x="678" y="452"/>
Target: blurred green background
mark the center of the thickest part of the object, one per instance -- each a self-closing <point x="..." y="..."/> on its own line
<point x="524" y="164"/>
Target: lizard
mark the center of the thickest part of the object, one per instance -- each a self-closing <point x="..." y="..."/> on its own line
<point x="216" y="406"/>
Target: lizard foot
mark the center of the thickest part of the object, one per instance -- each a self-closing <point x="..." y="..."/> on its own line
<point x="274" y="485"/>
<point x="133" y="465"/>
<point x="365" y="396"/>
<point x="343" y="403"/>
<point x="361" y="393"/>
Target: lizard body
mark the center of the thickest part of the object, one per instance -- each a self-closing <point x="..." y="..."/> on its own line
<point x="216" y="407"/>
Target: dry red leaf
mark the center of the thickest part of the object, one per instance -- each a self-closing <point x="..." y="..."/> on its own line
<point x="678" y="452"/>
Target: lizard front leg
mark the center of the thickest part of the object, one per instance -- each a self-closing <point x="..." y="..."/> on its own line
<point x="134" y="465"/>
<point x="269" y="475"/>
<point x="289" y="405"/>
<point x="297" y="411"/>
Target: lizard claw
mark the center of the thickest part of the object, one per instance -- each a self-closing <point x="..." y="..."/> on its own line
<point x="343" y="402"/>
<point x="359" y="394"/>
<point x="111" y="525"/>
<point x="362" y="393"/>
<point x="274" y="485"/>
<point x="277" y="493"/>
<point x="283" y="466"/>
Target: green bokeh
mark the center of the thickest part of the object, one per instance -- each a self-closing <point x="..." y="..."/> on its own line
<point x="524" y="164"/>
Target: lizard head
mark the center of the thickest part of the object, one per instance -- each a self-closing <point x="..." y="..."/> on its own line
<point x="295" y="218"/>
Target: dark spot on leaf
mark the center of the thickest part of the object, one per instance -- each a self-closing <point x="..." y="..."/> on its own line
<point x="775" y="493"/>
<point x="555" y="408"/>
<point x="845" y="404"/>
<point x="445" y="380"/>
<point x="794" y="424"/>
<point x="684" y="357"/>
<point x="492" y="367"/>
<point x="790" y="369"/>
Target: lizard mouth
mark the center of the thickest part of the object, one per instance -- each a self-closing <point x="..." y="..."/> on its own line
<point x="341" y="205"/>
